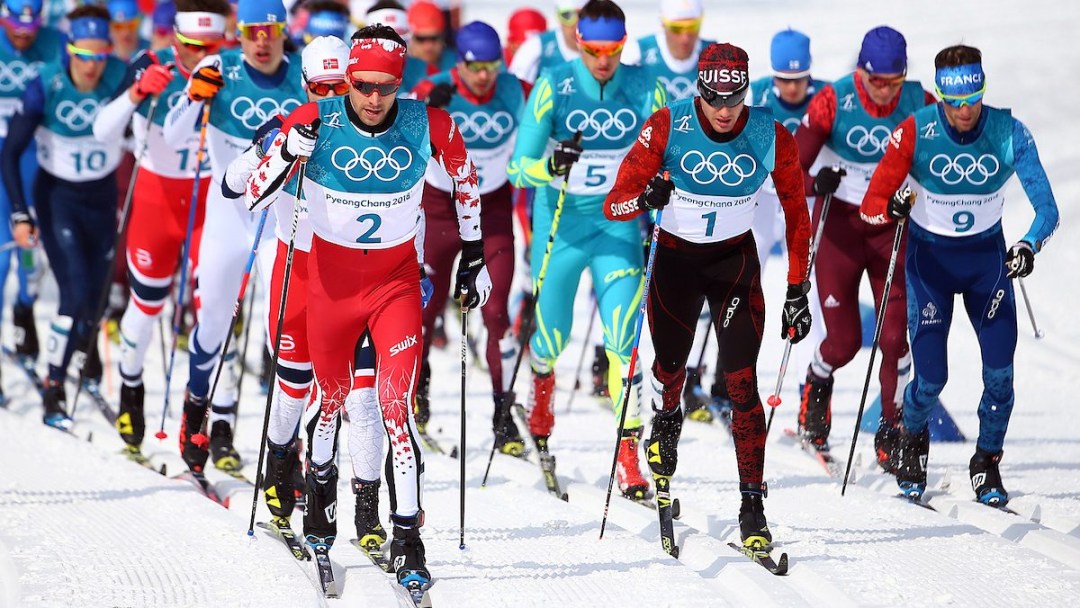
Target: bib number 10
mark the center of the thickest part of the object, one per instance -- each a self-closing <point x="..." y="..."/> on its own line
<point x="369" y="237"/>
<point x="963" y="220"/>
<point x="94" y="161"/>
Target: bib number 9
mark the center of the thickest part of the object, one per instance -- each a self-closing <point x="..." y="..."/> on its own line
<point x="368" y="237"/>
<point x="963" y="220"/>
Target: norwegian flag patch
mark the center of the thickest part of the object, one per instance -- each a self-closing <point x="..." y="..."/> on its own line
<point x="330" y="63"/>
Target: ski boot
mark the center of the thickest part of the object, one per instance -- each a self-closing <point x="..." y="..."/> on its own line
<point x="438" y="333"/>
<point x="986" y="479"/>
<point x="55" y="402"/>
<point x="320" y="519"/>
<point x="507" y="437"/>
<point x="407" y="552"/>
<point x="912" y="451"/>
<point x="226" y="458"/>
<point x="694" y="399"/>
<point x="278" y="487"/>
<point x="661" y="448"/>
<point x="632" y="483"/>
<point x="131" y="422"/>
<point x="369" y="530"/>
<point x="541" y="400"/>
<point x="752" y="524"/>
<point x="91" y="371"/>
<point x="194" y="447"/>
<point x="885" y="446"/>
<point x="600" y="373"/>
<point x="422" y="402"/>
<point x="815" y="410"/>
<point x="26" y="337"/>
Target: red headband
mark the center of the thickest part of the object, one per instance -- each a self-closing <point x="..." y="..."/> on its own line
<point x="377" y="55"/>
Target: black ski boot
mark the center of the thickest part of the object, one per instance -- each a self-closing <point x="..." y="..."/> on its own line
<point x="661" y="449"/>
<point x="91" y="371"/>
<point x="600" y="373"/>
<point x="407" y="553"/>
<point x="320" y="519"/>
<point x="131" y="421"/>
<point x="193" y="445"/>
<point x="694" y="399"/>
<point x="752" y="524"/>
<point x="815" y="410"/>
<point x="986" y="479"/>
<point x="55" y="402"/>
<point x="278" y="487"/>
<point x="369" y="530"/>
<point x="912" y="452"/>
<point x="422" y="402"/>
<point x="226" y="458"/>
<point x="885" y="446"/>
<point x="507" y="437"/>
<point x="26" y="337"/>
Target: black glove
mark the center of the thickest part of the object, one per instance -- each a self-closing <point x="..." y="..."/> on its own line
<point x="656" y="195"/>
<point x="473" y="284"/>
<point x="1020" y="260"/>
<point x="827" y="180"/>
<point x="900" y="203"/>
<point x="567" y="152"/>
<point x="301" y="141"/>
<point x="439" y="96"/>
<point x="797" y="312"/>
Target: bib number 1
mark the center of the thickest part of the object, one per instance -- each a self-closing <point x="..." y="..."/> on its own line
<point x="710" y="222"/>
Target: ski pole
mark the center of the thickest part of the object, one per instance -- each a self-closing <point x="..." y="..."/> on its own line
<point x="581" y="357"/>
<point x="625" y="397"/>
<point x="774" y="399"/>
<point x="277" y="339"/>
<point x="247" y="340"/>
<point x="178" y="312"/>
<point x="527" y="323"/>
<point x="873" y="347"/>
<point x="121" y="230"/>
<point x="1039" y="334"/>
<point x="461" y="459"/>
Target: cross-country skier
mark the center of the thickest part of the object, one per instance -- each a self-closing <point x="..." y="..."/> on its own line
<point x="523" y="24"/>
<point x="244" y="88"/>
<point x="75" y="186"/>
<point x="124" y="29"/>
<point x="392" y="14"/>
<point x="25" y="47"/>
<point x="605" y="103"/>
<point x="485" y="102"/>
<point x="960" y="154"/>
<point x="324" y="18"/>
<point x="427" y="24"/>
<point x="363" y="274"/>
<point x="673" y="52"/>
<point x="719" y="153"/>
<point x="551" y="48"/>
<point x="159" y="208"/>
<point x="845" y="130"/>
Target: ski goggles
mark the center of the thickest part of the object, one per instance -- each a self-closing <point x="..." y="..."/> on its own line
<point x="131" y="25"/>
<point x="568" y="17"/>
<point x="195" y="44"/>
<point x="322" y="89"/>
<point x="366" y="88"/>
<point x="24" y="23"/>
<point x="87" y="54"/>
<point x="484" y="66"/>
<point x="719" y="100"/>
<point x="882" y="82"/>
<point x="683" y="26"/>
<point x="426" y="39"/>
<point x="959" y="101"/>
<point x="262" y="31"/>
<point x="605" y="49"/>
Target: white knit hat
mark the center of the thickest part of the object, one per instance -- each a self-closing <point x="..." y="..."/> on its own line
<point x="680" y="10"/>
<point x="325" y="58"/>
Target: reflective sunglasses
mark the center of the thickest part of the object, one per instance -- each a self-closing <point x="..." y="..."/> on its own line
<point x="959" y="101"/>
<point x="426" y="39"/>
<point x="130" y="25"/>
<point x="684" y="26"/>
<point x="259" y="31"/>
<point x="720" y="100"/>
<point x="322" y="89"/>
<point x="366" y="88"/>
<point x="194" y="44"/>
<point x="881" y="82"/>
<point x="568" y="17"/>
<point x="87" y="54"/>
<point x="607" y="49"/>
<point x="484" y="66"/>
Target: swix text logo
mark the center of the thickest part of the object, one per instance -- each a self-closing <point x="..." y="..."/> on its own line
<point x="930" y="130"/>
<point x="684" y="125"/>
<point x="401" y="346"/>
<point x="964" y="167"/>
<point x="287" y="343"/>
<point x="77" y="115"/>
<point x="868" y="142"/>
<point x="621" y="273"/>
<point x="601" y="121"/>
<point x="718" y="166"/>
<point x="252" y="114"/>
<point x="14" y="74"/>
<point x="731" y="310"/>
<point x="372" y="162"/>
<point x="995" y="303"/>
<point x="679" y="87"/>
<point x="566" y="87"/>
<point x="481" y="126"/>
<point x="330" y="63"/>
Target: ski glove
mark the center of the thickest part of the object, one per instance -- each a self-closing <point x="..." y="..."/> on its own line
<point x="797" y="312"/>
<point x="827" y="180"/>
<point x="427" y="288"/>
<point x="205" y="83"/>
<point x="1020" y="260"/>
<point x="154" y="79"/>
<point x="900" y="203"/>
<point x="473" y="281"/>
<point x="301" y="141"/>
<point x="440" y="95"/>
<point x="567" y="152"/>
<point x="656" y="195"/>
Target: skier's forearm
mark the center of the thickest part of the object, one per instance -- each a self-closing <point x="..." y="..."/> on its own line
<point x="787" y="176"/>
<point x="641" y="164"/>
<point x="1033" y="178"/>
<point x="238" y="172"/>
<point x="890" y="173"/>
<point x="268" y="178"/>
<point x="450" y="151"/>
<point x="113" y="119"/>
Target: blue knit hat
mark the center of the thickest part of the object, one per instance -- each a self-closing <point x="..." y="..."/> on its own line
<point x="478" y="41"/>
<point x="260" y="11"/>
<point x="884" y="51"/>
<point x="790" y="54"/>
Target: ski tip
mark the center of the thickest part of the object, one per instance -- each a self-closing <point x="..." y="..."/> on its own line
<point x="782" y="565"/>
<point x="565" y="497"/>
<point x="454" y="452"/>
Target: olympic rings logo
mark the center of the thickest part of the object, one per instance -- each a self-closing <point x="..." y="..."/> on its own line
<point x="77" y="115"/>
<point x="679" y="87"/>
<point x="15" y="74"/>
<point x="718" y="166"/>
<point x="481" y="126"/>
<point x="964" y="167"/>
<point x="792" y="123"/>
<point x="384" y="166"/>
<point x="601" y="121"/>
<point x="254" y="113"/>
<point x="868" y="142"/>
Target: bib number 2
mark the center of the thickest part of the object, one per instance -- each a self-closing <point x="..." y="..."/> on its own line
<point x="369" y="237"/>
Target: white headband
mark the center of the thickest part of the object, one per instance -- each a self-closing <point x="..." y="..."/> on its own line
<point x="198" y="22"/>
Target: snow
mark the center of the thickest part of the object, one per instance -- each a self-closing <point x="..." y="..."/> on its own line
<point x="81" y="526"/>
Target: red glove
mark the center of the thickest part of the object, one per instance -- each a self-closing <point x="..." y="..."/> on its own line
<point x="153" y="80"/>
<point x="205" y="83"/>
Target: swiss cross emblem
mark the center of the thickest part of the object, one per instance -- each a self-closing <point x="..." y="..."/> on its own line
<point x="204" y="21"/>
<point x="330" y="64"/>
